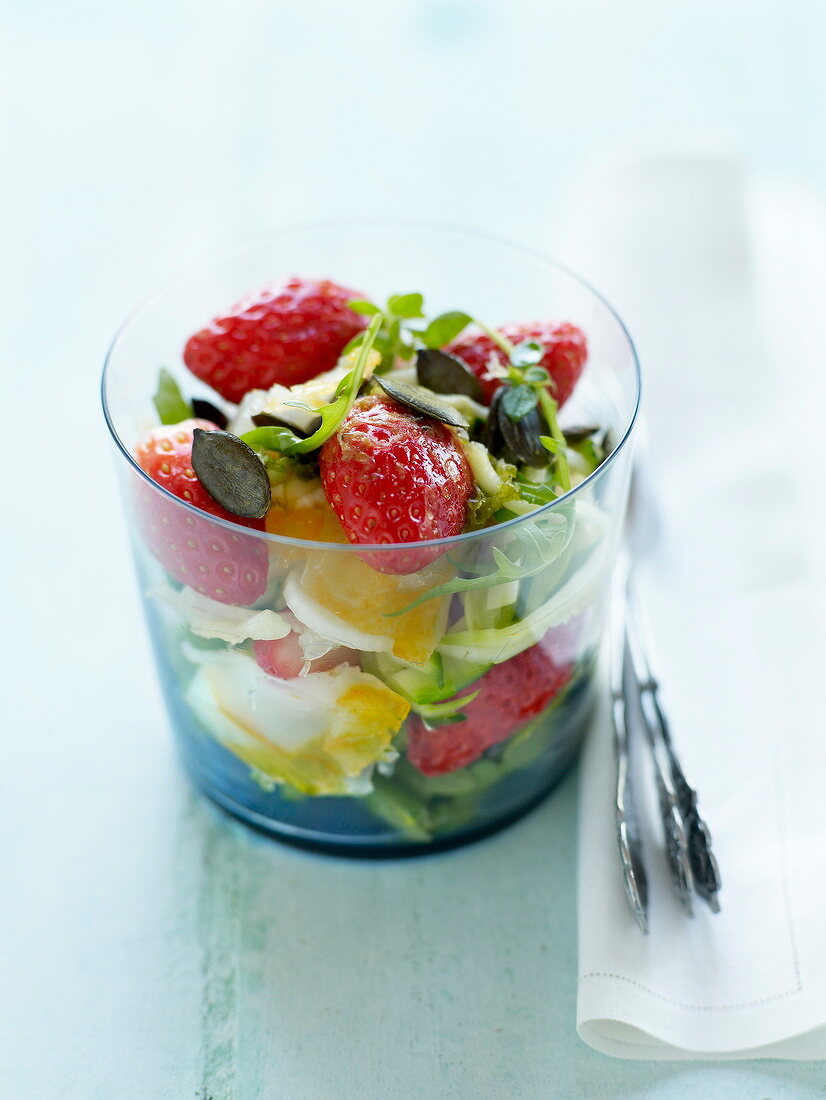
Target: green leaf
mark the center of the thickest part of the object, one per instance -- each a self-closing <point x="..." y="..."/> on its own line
<point x="405" y="306"/>
<point x="552" y="445"/>
<point x="169" y="401"/>
<point x="535" y="550"/>
<point x="536" y="494"/>
<point x="444" y="328"/>
<point x="591" y="453"/>
<point x="367" y="309"/>
<point x="518" y="401"/>
<point x="527" y="354"/>
<point x="332" y="415"/>
<point x="442" y="714"/>
<point x="536" y="376"/>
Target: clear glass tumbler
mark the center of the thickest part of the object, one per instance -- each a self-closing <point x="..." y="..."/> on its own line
<point x="334" y="759"/>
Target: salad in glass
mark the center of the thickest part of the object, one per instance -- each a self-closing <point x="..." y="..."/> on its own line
<point x="374" y="545"/>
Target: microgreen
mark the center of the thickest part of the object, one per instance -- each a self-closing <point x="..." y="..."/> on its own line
<point x="524" y="372"/>
<point x="443" y="714"/>
<point x="332" y="415"/>
<point x="407" y="307"/>
<point x="519" y="400"/>
<point x="366" y="309"/>
<point x="444" y="328"/>
<point x="534" y="549"/>
<point x="394" y="337"/>
<point x="171" y="406"/>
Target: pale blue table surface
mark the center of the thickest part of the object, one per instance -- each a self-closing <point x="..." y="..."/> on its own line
<point x="149" y="948"/>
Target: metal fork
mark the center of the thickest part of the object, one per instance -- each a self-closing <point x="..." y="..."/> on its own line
<point x="636" y="709"/>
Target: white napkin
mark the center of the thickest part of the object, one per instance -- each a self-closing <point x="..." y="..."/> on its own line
<point x="735" y="601"/>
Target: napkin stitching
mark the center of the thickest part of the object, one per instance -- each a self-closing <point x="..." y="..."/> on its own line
<point x="684" y="1004"/>
<point x="798" y="988"/>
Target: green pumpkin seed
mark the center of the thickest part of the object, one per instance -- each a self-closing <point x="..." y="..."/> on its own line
<point x="520" y="437"/>
<point x="232" y="473"/>
<point x="578" y="434"/>
<point x="205" y="410"/>
<point x="267" y="420"/>
<point x="422" y="401"/>
<point x="444" y="373"/>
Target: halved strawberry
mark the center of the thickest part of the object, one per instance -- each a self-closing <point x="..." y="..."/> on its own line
<point x="287" y="333"/>
<point x="226" y="565"/>
<point x="565" y="353"/>
<point x="510" y="694"/>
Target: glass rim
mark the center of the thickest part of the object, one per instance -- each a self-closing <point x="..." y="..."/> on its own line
<point x="370" y="223"/>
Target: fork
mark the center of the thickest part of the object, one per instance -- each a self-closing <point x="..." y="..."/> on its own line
<point x="636" y="708"/>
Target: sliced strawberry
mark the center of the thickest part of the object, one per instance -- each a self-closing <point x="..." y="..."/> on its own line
<point x="285" y="658"/>
<point x="510" y="694"/>
<point x="565" y="353"/>
<point x="226" y="565"/>
<point x="287" y="333"/>
<point x="395" y="476"/>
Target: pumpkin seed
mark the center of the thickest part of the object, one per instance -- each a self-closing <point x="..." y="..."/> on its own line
<point x="422" y="401"/>
<point x="578" y="434"/>
<point x="520" y="437"/>
<point x="444" y="373"/>
<point x="267" y="420"/>
<point x="205" y="410"/>
<point x="232" y="473"/>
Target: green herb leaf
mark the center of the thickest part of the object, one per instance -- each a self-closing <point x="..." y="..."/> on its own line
<point x="536" y="376"/>
<point x="552" y="445"/>
<point x="444" y="328"/>
<point x="534" y="493"/>
<point x="527" y="354"/>
<point x="519" y="400"/>
<point x="441" y="714"/>
<point x="332" y="415"/>
<point x="169" y="401"/>
<point x="535" y="550"/>
<point x="405" y="306"/>
<point x="367" y="309"/>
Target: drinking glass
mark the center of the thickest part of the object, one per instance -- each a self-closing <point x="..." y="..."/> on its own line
<point x="371" y="756"/>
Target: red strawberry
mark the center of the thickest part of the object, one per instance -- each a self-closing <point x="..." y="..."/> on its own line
<point x="229" y="567"/>
<point x="510" y="694"/>
<point x="392" y="475"/>
<point x="287" y="333"/>
<point x="285" y="658"/>
<point x="564" y="358"/>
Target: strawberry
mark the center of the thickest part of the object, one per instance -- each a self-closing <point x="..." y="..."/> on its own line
<point x="288" y="333"/>
<point x="510" y="694"/>
<point x="564" y="358"/>
<point x="229" y="567"/>
<point x="285" y="658"/>
<point x="394" y="475"/>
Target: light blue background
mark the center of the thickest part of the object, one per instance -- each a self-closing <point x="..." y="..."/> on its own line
<point x="150" y="949"/>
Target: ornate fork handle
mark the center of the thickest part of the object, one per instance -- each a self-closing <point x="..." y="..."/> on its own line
<point x="688" y="840"/>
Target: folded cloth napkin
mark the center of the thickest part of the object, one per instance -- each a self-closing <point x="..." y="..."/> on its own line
<point x="734" y="596"/>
